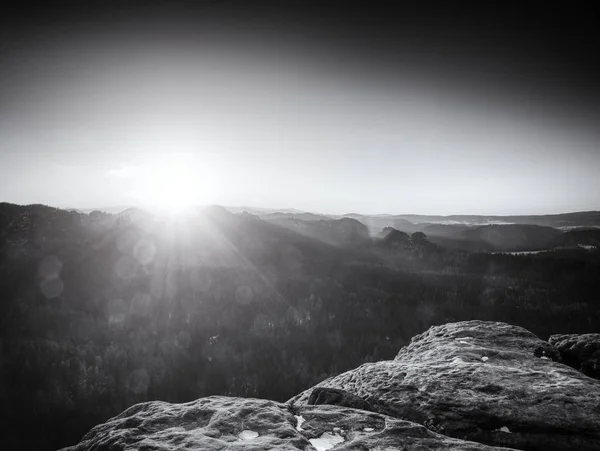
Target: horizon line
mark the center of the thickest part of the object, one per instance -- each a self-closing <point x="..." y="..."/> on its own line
<point x="286" y="210"/>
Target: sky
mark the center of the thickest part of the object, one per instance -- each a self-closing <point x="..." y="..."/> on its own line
<point x="341" y="108"/>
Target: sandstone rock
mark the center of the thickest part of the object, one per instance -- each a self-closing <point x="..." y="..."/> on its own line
<point x="218" y="423"/>
<point x="337" y="397"/>
<point x="483" y="381"/>
<point x="581" y="351"/>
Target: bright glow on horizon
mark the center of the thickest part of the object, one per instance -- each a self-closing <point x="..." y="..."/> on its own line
<point x="169" y="183"/>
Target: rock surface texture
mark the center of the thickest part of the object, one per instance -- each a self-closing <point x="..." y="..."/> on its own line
<point x="483" y="381"/>
<point x="472" y="385"/>
<point x="337" y="397"/>
<point x="581" y="351"/>
<point x="222" y="423"/>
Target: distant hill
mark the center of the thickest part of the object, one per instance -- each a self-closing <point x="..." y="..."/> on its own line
<point x="411" y="223"/>
<point x="581" y="237"/>
<point x="495" y="238"/>
<point x="377" y="223"/>
<point x="40" y="224"/>
<point x="332" y="231"/>
<point x="259" y="211"/>
<point x="393" y="236"/>
<point x="444" y="230"/>
<point x="577" y="219"/>
<point x="462" y="232"/>
<point x="113" y="210"/>
<point x="300" y="216"/>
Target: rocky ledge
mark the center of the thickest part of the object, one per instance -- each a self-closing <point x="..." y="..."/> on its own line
<point x="487" y="382"/>
<point x="581" y="352"/>
<point x="471" y="385"/>
<point x="218" y="423"/>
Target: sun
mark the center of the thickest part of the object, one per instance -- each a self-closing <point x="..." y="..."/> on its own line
<point x="173" y="185"/>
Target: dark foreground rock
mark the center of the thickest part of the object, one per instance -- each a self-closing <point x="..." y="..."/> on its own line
<point x="483" y="381"/>
<point x="219" y="423"/>
<point x="581" y="351"/>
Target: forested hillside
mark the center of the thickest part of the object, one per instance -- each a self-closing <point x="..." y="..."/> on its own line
<point x="101" y="311"/>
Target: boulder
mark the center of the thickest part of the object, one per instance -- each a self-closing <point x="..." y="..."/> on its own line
<point x="581" y="351"/>
<point x="337" y="397"/>
<point x="217" y="423"/>
<point x="487" y="382"/>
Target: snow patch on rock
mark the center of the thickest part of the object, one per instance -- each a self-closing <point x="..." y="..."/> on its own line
<point x="248" y="435"/>
<point x="299" y="421"/>
<point x="326" y="441"/>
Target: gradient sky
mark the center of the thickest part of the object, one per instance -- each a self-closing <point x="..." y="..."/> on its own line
<point x="329" y="109"/>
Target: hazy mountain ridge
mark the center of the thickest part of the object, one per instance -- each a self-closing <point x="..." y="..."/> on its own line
<point x="456" y="226"/>
<point x="572" y="219"/>
<point x="358" y="230"/>
<point x="496" y="238"/>
<point x="580" y="219"/>
<point x="102" y="311"/>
